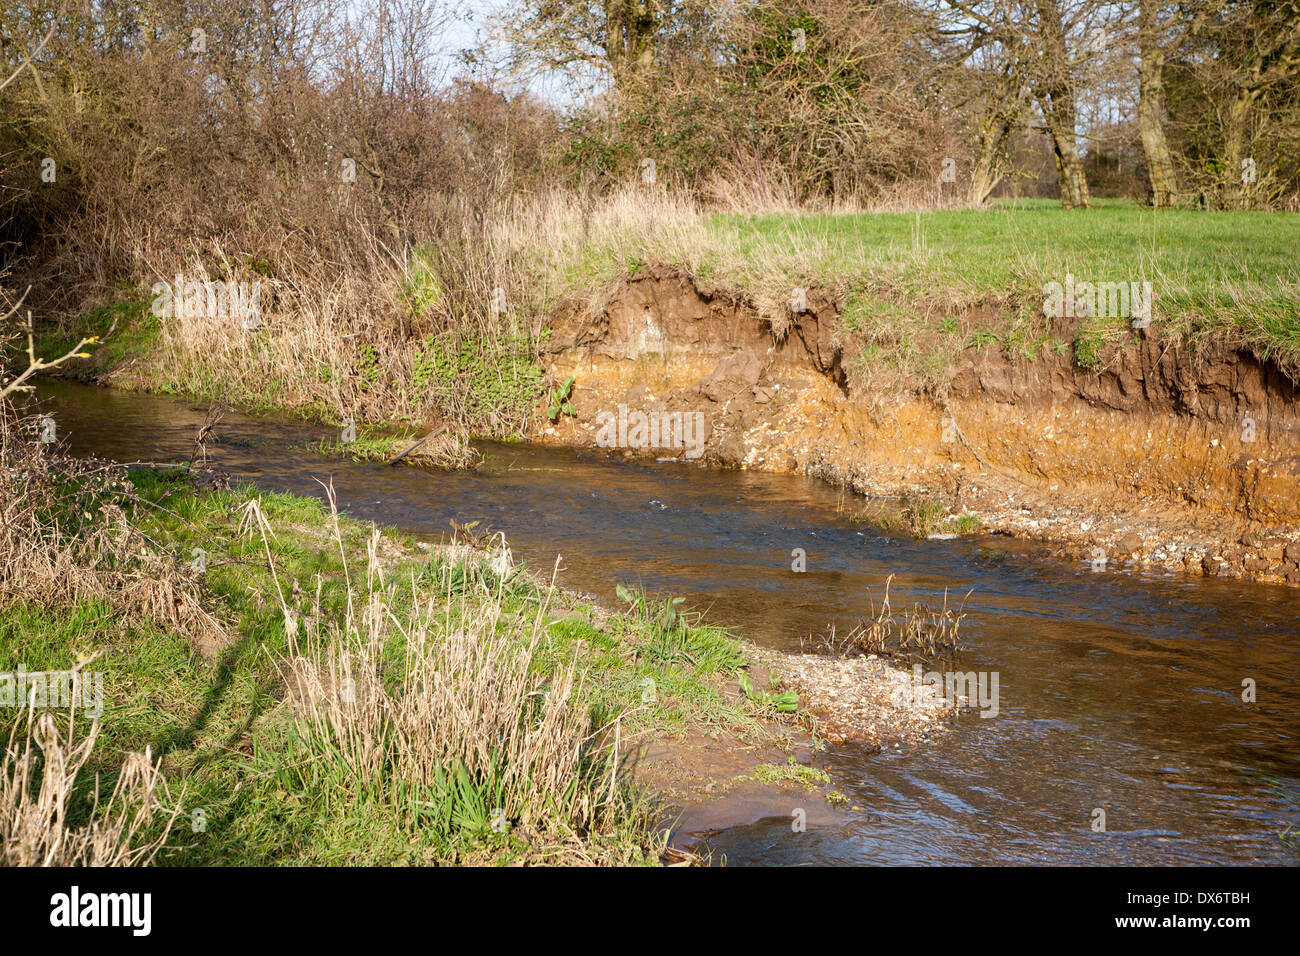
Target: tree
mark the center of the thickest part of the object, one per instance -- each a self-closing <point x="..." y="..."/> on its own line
<point x="619" y="40"/>
<point x="1034" y="51"/>
<point x="1151" y="37"/>
<point x="1232" y="89"/>
<point x="1268" y="42"/>
<point x="1054" y="89"/>
<point x="983" y="62"/>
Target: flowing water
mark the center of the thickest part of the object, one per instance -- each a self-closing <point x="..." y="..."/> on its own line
<point x="1119" y="691"/>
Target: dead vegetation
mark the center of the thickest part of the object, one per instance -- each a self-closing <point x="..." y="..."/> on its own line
<point x="491" y="744"/>
<point x="64" y="541"/>
<point x="39" y="782"/>
<point x="919" y="634"/>
<point x="65" y="538"/>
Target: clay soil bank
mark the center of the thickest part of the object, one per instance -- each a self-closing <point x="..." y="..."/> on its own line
<point x="1162" y="455"/>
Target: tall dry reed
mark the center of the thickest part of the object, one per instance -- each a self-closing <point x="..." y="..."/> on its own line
<point x="42" y="770"/>
<point x="464" y="731"/>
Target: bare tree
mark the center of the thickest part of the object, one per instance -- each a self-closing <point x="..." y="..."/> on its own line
<point x="984" y="60"/>
<point x="28" y="56"/>
<point x="1004" y="109"/>
<point x="1269" y="56"/>
<point x="1055" y="91"/>
<point x="1033" y="51"/>
<point x="618" y="40"/>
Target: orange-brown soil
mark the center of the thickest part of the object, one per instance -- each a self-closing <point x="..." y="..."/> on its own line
<point x="1163" y="455"/>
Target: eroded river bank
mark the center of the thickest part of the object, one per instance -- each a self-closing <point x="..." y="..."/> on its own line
<point x="1161" y="454"/>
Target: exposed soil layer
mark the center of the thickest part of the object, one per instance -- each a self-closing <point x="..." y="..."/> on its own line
<point x="1166" y="455"/>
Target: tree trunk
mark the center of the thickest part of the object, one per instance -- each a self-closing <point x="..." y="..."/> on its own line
<point x="1070" y="177"/>
<point x="631" y="27"/>
<point x="1151" y="107"/>
<point x="986" y="175"/>
<point x="1235" y="135"/>
<point x="1056" y="99"/>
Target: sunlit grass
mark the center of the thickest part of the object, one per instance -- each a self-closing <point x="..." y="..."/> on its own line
<point x="265" y="783"/>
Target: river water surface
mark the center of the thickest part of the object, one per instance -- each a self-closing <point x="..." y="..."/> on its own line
<point x="1119" y="691"/>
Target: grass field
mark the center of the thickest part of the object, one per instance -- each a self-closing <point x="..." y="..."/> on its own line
<point x="917" y="288"/>
<point x="1231" y="273"/>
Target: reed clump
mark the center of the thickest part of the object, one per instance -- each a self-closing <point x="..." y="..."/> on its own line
<point x="920" y="634"/>
<point x="436" y="708"/>
<point x="42" y="775"/>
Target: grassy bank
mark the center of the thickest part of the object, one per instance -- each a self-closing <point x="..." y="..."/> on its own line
<point x="1229" y="273"/>
<point x="973" y="277"/>
<point x="914" y="291"/>
<point x="316" y="691"/>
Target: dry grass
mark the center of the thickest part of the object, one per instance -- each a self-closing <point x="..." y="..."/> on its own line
<point x="313" y="323"/>
<point x="569" y="247"/>
<point x="65" y="539"/>
<point x="49" y="557"/>
<point x="411" y="334"/>
<point x="463" y="734"/>
<point x="39" y="777"/>
<point x="919" y="634"/>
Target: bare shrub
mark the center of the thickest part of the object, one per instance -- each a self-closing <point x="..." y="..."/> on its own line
<point x="821" y="104"/>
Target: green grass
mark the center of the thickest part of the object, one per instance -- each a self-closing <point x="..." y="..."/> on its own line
<point x="792" y="772"/>
<point x="917" y="288"/>
<point x="228" y="741"/>
<point x="922" y="517"/>
<point x="370" y="444"/>
<point x="134" y="331"/>
<point x="964" y="523"/>
<point x="1213" y="273"/>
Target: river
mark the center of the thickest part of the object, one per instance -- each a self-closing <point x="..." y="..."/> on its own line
<point x="1119" y="691"/>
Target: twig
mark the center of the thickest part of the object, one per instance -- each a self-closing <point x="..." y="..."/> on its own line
<point x="411" y="448"/>
<point x="34" y="364"/>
